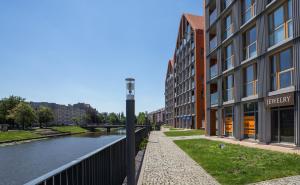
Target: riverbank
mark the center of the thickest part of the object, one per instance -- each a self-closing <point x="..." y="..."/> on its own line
<point x="19" y="136"/>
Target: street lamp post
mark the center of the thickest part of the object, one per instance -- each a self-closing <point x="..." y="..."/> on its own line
<point x="130" y="130"/>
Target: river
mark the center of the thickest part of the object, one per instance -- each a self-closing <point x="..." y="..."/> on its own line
<point x="21" y="163"/>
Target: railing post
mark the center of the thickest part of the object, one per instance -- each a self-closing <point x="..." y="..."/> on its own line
<point x="130" y="132"/>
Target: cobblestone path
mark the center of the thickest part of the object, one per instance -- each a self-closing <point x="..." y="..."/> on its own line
<point x="165" y="163"/>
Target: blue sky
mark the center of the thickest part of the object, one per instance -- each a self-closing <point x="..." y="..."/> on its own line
<point x="69" y="51"/>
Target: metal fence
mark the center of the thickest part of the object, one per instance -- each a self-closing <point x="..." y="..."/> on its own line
<point x="106" y="166"/>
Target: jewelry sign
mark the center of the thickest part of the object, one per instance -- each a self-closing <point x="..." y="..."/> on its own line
<point x="280" y="100"/>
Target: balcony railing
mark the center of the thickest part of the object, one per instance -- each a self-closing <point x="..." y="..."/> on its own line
<point x="281" y="33"/>
<point x="228" y="63"/>
<point x="249" y="13"/>
<point x="213" y="17"/>
<point x="228" y="32"/>
<point x="250" y="51"/>
<point x="213" y="43"/>
<point x="213" y="71"/>
<point x="228" y="94"/>
<point x="251" y="88"/>
<point x="227" y="3"/>
<point x="214" y="99"/>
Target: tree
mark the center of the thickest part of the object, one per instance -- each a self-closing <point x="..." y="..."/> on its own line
<point x="122" y="118"/>
<point x="23" y="114"/>
<point x="76" y="120"/>
<point x="141" y="119"/>
<point x="113" y="118"/>
<point x="6" y="105"/>
<point x="45" y="115"/>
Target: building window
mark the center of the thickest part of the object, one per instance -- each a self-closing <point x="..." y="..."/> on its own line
<point x="226" y="3"/>
<point x="228" y="120"/>
<point x="250" y="80"/>
<point x="249" y="42"/>
<point x="249" y="10"/>
<point x="250" y="120"/>
<point x="282" y="69"/>
<point x="281" y="24"/>
<point x="228" y="26"/>
<point x="228" y="88"/>
<point x="228" y="58"/>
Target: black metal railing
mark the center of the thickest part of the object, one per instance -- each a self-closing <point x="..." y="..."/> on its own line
<point x="106" y="165"/>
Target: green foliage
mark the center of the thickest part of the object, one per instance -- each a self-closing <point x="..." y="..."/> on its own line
<point x="69" y="129"/>
<point x="23" y="114"/>
<point x="141" y="118"/>
<point x="113" y="118"/>
<point x="122" y="118"/>
<point x="143" y="144"/>
<point x="17" y="135"/>
<point x="45" y="115"/>
<point x="184" y="133"/>
<point x="76" y="120"/>
<point x="236" y="164"/>
<point x="6" y="105"/>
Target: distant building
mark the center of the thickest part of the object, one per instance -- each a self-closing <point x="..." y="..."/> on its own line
<point x="157" y="117"/>
<point x="65" y="114"/>
<point x="169" y="94"/>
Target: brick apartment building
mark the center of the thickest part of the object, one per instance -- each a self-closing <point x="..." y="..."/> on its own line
<point x="189" y="74"/>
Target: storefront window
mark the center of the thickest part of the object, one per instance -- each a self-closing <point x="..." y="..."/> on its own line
<point x="282" y="124"/>
<point x="228" y="120"/>
<point x="250" y="120"/>
<point x="282" y="70"/>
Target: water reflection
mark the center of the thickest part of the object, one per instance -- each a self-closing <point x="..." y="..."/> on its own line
<point x="24" y="162"/>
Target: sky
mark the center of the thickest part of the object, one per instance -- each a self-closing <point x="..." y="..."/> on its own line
<point x="69" y="51"/>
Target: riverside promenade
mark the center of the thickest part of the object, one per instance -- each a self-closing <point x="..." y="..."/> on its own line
<point x="165" y="163"/>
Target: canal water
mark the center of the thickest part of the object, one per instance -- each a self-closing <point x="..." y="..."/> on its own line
<point x="22" y="163"/>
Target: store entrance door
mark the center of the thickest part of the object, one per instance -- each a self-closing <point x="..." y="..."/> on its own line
<point x="283" y="125"/>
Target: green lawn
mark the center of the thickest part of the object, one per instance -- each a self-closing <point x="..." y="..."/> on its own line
<point x="17" y="135"/>
<point x="69" y="129"/>
<point x="184" y="133"/>
<point x="236" y="164"/>
<point x="174" y="129"/>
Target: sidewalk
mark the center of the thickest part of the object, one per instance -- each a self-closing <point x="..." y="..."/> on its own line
<point x="165" y="163"/>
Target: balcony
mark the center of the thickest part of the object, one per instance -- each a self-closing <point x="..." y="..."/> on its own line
<point x="249" y="13"/>
<point x="251" y="88"/>
<point x="227" y="3"/>
<point x="283" y="32"/>
<point x="213" y="43"/>
<point x="228" y="94"/>
<point x="213" y="71"/>
<point x="214" y="99"/>
<point x="228" y="32"/>
<point x="213" y="17"/>
<point x="228" y="63"/>
<point x="250" y="51"/>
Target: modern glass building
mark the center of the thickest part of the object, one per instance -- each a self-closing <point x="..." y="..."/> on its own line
<point x="252" y="69"/>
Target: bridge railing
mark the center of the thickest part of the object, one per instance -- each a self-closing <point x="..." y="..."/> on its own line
<point x="106" y="165"/>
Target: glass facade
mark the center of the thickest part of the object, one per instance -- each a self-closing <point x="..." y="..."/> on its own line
<point x="282" y="70"/>
<point x="250" y="80"/>
<point x="249" y="40"/>
<point x="283" y="125"/>
<point x="227" y="58"/>
<point x="280" y="24"/>
<point x="249" y="10"/>
<point x="250" y="120"/>
<point x="228" y="121"/>
<point x="228" y="88"/>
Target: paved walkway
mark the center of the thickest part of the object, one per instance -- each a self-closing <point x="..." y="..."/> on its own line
<point x="165" y="163"/>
